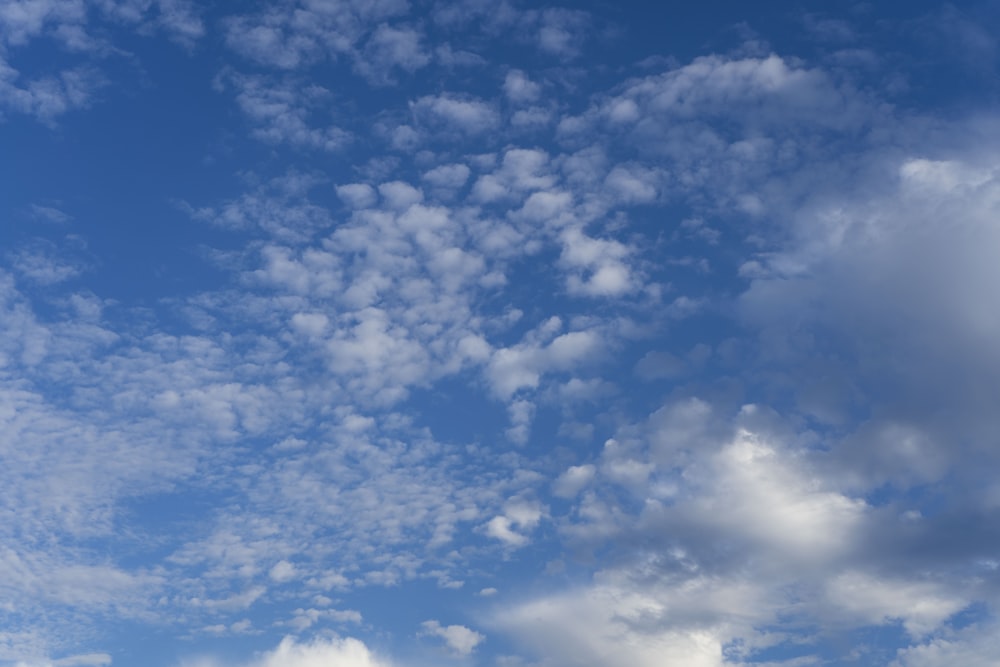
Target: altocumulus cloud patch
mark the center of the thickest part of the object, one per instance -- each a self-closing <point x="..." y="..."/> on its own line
<point x="423" y="333"/>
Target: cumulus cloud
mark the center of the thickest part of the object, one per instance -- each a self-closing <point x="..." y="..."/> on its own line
<point x="519" y="517"/>
<point x="523" y="365"/>
<point x="603" y="625"/>
<point x="604" y="269"/>
<point x="519" y="88"/>
<point x="459" y="639"/>
<point x="345" y="652"/>
<point x="685" y="595"/>
<point x="573" y="480"/>
<point x="389" y="49"/>
<point x="455" y="116"/>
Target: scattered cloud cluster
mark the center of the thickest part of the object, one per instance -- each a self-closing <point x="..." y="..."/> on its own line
<point x="690" y="361"/>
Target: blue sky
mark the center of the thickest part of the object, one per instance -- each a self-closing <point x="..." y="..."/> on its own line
<point x="394" y="333"/>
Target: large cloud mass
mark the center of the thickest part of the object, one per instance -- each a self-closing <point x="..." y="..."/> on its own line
<point x="320" y="316"/>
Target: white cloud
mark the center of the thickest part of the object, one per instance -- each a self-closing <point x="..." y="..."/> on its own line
<point x="519" y="88"/>
<point x="389" y="49"/>
<point x="522" y="366"/>
<point x="279" y="208"/>
<point x="532" y="118"/>
<point x="977" y="645"/>
<point x="573" y="480"/>
<point x="561" y="32"/>
<point x="459" y="639"/>
<point x="73" y="24"/>
<point x="343" y="652"/>
<point x="802" y="543"/>
<point x="756" y="492"/>
<point x="47" y="97"/>
<point x="550" y="208"/>
<point x="604" y="625"/>
<point x="282" y="571"/>
<point x="521" y="413"/>
<point x="520" y="515"/>
<point x="452" y="114"/>
<point x="399" y="195"/>
<point x="67" y="20"/>
<point x="25" y="19"/>
<point x="42" y="265"/>
<point x="357" y="195"/>
<point x="180" y="19"/>
<point x="632" y="185"/>
<point x="521" y="172"/>
<point x="447" y="176"/>
<point x="707" y="83"/>
<point x="922" y="605"/>
<point x="604" y="271"/>
<point x="283" y="405"/>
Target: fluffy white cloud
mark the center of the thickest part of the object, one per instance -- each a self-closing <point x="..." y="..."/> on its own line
<point x="455" y="115"/>
<point x="447" y="177"/>
<point x="921" y="605"/>
<point x="571" y="482"/>
<point x="974" y="645"/>
<point x="519" y="88"/>
<point x="603" y="261"/>
<point x="519" y="515"/>
<point x="605" y="625"/>
<point x="345" y="652"/>
<point x="459" y="639"/>
<point x="696" y="495"/>
<point x="357" y="195"/>
<point x="561" y="32"/>
<point x="49" y="96"/>
<point x="523" y="365"/>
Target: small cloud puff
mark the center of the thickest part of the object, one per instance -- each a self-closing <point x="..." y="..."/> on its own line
<point x="447" y="112"/>
<point x="459" y="639"/>
<point x="517" y="514"/>
<point x="571" y="482"/>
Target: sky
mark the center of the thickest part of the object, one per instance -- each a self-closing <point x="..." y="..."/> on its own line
<point x="485" y="333"/>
